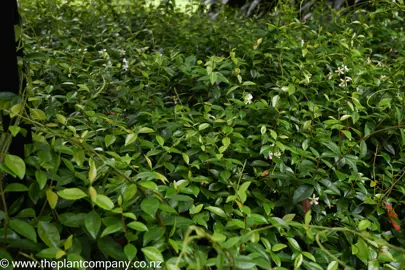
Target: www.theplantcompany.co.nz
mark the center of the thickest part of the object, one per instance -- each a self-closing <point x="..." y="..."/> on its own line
<point x="4" y="263"/>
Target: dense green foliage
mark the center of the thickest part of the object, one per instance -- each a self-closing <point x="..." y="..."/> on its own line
<point x="227" y="144"/>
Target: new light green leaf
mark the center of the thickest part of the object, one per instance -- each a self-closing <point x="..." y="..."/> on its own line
<point x="152" y="253"/>
<point x="138" y="226"/>
<point x="104" y="202"/>
<point x="130" y="138"/>
<point x="72" y="194"/>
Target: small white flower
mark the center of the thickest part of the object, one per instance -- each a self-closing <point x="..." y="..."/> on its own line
<point x="382" y="77"/>
<point x="122" y="52"/>
<point x="379" y="64"/>
<point x="248" y="99"/>
<point x="271" y="154"/>
<point x="330" y="76"/>
<point x="174" y="99"/>
<point x="342" y="83"/>
<point x="340" y="71"/>
<point x="314" y="199"/>
<point x="125" y="64"/>
<point x="102" y="51"/>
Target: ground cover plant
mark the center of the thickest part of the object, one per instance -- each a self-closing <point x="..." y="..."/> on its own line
<point x="239" y="143"/>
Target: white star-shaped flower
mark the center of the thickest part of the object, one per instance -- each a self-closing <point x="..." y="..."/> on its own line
<point x="125" y="64"/>
<point x="248" y="99"/>
<point x="340" y="71"/>
<point x="314" y="199"/>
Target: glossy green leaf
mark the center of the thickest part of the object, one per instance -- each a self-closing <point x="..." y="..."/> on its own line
<point x="104" y="202"/>
<point x="111" y="248"/>
<point x="216" y="210"/>
<point x="278" y="247"/>
<point x="72" y="194"/>
<point x="150" y="206"/>
<point x="92" y="222"/>
<point x="152" y="253"/>
<point x="49" y="234"/>
<point x="92" y="171"/>
<point x="130" y="138"/>
<point x="37" y="114"/>
<point x="15" y="164"/>
<point x="23" y="228"/>
<point x="51" y="253"/>
<point x="138" y="226"/>
<point x="130" y="250"/>
<point x="298" y="261"/>
<point x="41" y="178"/>
<point x="333" y="265"/>
<point x="302" y="192"/>
<point x="364" y="224"/>
<point x="294" y="244"/>
<point x="109" y="140"/>
<point x="16" y="187"/>
<point x="113" y="228"/>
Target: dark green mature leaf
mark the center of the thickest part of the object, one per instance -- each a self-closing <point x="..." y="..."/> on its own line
<point x="111" y="248"/>
<point x="49" y="234"/>
<point x="92" y="222"/>
<point x="113" y="228"/>
<point x="152" y="235"/>
<point x="363" y="149"/>
<point x="23" y="228"/>
<point x="16" y="187"/>
<point x="130" y="250"/>
<point x="362" y="250"/>
<point x="41" y="178"/>
<point x="51" y="253"/>
<point x="244" y="262"/>
<point x="37" y="114"/>
<point x="333" y="147"/>
<point x="302" y="192"/>
<point x="150" y="206"/>
<point x="7" y="95"/>
<point x="72" y="219"/>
